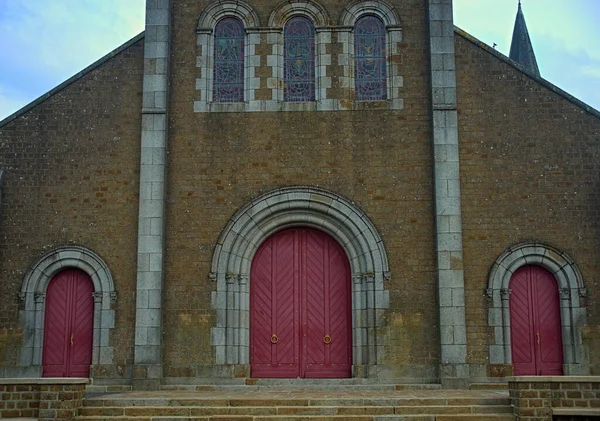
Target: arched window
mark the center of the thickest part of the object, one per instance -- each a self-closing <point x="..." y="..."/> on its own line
<point x="229" y="61"/>
<point x="369" y="59"/>
<point x="299" y="60"/>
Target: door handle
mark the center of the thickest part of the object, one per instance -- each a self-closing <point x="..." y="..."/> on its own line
<point x="274" y="339"/>
<point x="327" y="339"/>
<point x="538" y="337"/>
<point x="71" y="339"/>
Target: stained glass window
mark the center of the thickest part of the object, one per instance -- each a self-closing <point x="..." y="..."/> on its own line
<point x="299" y="60"/>
<point x="369" y="59"/>
<point x="229" y="61"/>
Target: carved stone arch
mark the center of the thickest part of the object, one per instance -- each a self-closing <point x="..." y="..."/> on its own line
<point x="307" y="8"/>
<point x="386" y="12"/>
<point x="233" y="8"/>
<point x="289" y="207"/>
<point x="571" y="289"/>
<point x="33" y="293"/>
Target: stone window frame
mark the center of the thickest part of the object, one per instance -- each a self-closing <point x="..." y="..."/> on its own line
<point x="390" y="18"/>
<point x="205" y="59"/>
<point x="571" y="291"/>
<point x="309" y="80"/>
<point x="33" y="296"/>
<point x="298" y="207"/>
<point x="360" y="58"/>
<point x="220" y="35"/>
<point x="275" y="38"/>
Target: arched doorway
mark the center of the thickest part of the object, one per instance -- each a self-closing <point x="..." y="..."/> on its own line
<point x="68" y="325"/>
<point x="300" y="307"/>
<point x="535" y="323"/>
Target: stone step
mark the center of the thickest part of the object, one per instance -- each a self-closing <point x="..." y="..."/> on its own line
<point x="278" y="401"/>
<point x="96" y="389"/>
<point x="267" y="387"/>
<point x="145" y="411"/>
<point x="289" y="404"/>
<point x="425" y="417"/>
<point x="297" y="384"/>
<point x="21" y="419"/>
<point x="488" y="386"/>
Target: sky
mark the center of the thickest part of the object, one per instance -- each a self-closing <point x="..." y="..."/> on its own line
<point x="45" y="42"/>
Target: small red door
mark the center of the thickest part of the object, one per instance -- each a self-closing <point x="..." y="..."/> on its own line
<point x="300" y="307"/>
<point x="535" y="324"/>
<point x="69" y="325"/>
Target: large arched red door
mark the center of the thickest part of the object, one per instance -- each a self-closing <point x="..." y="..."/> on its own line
<point x="68" y="325"/>
<point x="535" y="323"/>
<point x="300" y="306"/>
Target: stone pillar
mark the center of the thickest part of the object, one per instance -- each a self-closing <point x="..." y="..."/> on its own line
<point x="454" y="372"/>
<point x="147" y="372"/>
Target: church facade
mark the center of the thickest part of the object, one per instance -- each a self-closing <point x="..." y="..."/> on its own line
<point x="300" y="189"/>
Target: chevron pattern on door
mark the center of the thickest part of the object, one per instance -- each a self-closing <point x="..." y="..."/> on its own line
<point x="549" y="324"/>
<point x="535" y="324"/>
<point x="68" y="325"/>
<point x="300" y="307"/>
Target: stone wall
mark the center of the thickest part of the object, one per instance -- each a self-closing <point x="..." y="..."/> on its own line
<point x="528" y="174"/>
<point x="380" y="159"/>
<point x="70" y="178"/>
<point x="43" y="399"/>
<point x="529" y="170"/>
<point x="543" y="398"/>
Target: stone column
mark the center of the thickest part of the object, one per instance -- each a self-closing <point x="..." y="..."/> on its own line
<point x="454" y="372"/>
<point x="147" y="372"/>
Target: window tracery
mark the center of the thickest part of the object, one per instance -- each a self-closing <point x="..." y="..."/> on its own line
<point x="370" y="59"/>
<point x="299" y="60"/>
<point x="229" y="61"/>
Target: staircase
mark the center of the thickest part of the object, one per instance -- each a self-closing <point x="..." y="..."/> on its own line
<point x="284" y="404"/>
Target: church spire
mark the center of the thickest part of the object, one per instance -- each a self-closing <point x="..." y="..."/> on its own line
<point x="521" y="49"/>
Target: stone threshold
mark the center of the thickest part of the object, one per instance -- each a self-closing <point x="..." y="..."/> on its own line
<point x="44" y="381"/>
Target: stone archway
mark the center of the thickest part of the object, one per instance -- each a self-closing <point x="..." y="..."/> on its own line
<point x="570" y="289"/>
<point x="33" y="295"/>
<point x="293" y="207"/>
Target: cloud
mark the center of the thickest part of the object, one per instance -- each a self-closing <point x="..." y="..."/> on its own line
<point x="46" y="42"/>
<point x="591" y="70"/>
<point x="564" y="34"/>
<point x="571" y="24"/>
<point x="69" y="34"/>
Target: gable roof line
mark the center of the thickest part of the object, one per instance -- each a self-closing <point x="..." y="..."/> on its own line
<point x="517" y="66"/>
<point x="72" y="79"/>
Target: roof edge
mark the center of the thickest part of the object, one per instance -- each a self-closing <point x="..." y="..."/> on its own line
<point x="72" y="79"/>
<point x="517" y="66"/>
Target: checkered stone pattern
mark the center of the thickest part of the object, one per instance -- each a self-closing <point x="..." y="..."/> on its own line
<point x="205" y="81"/>
<point x="331" y="93"/>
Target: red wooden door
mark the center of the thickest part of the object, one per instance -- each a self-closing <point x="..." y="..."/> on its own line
<point x="300" y="307"/>
<point x="535" y="324"/>
<point x="69" y="325"/>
